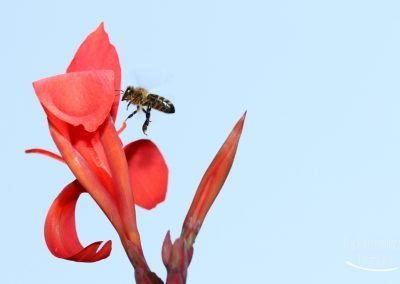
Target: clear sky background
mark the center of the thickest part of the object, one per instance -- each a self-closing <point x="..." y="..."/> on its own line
<point x="316" y="180"/>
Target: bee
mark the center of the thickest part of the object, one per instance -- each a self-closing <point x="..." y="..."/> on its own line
<point x="143" y="99"/>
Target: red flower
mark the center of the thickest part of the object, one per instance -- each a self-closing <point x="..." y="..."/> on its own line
<point x="81" y="107"/>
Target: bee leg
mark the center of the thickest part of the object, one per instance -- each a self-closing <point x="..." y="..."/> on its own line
<point x="147" y="112"/>
<point x="133" y="113"/>
<point x="128" y="105"/>
<point x="147" y="121"/>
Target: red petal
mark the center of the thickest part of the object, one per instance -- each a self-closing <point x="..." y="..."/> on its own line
<point x="80" y="156"/>
<point x="148" y="172"/>
<point x="120" y="179"/>
<point x="122" y="128"/>
<point x="60" y="231"/>
<point x="97" y="53"/>
<point x="98" y="162"/>
<point x="211" y="183"/>
<point x="78" y="98"/>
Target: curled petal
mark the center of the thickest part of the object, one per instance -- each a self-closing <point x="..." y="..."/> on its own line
<point x="60" y="230"/>
<point x="80" y="98"/>
<point x="211" y="183"/>
<point x="92" y="253"/>
<point x="97" y="53"/>
<point x="148" y="173"/>
<point x="45" y="153"/>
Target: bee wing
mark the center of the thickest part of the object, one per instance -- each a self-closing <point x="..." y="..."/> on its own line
<point x="159" y="83"/>
<point x="150" y="79"/>
<point x="133" y="79"/>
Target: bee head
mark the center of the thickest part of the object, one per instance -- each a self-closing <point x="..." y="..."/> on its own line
<point x="128" y="93"/>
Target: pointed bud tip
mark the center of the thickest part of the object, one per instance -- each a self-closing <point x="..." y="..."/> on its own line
<point x="240" y="123"/>
<point x="167" y="244"/>
<point x="244" y="115"/>
<point x="166" y="249"/>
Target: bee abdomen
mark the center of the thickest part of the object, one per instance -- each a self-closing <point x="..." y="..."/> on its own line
<point x="160" y="103"/>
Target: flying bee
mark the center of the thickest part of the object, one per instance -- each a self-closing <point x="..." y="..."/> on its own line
<point x="143" y="99"/>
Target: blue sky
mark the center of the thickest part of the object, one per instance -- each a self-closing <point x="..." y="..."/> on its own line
<point x="315" y="183"/>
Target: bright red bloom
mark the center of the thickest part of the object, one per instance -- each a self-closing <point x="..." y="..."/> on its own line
<point x="81" y="106"/>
